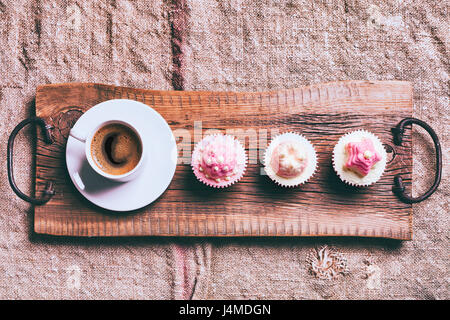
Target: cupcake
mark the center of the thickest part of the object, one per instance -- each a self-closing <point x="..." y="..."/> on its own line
<point x="359" y="158"/>
<point x="290" y="160"/>
<point x="219" y="160"/>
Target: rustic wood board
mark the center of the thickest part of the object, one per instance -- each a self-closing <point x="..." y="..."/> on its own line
<point x="255" y="206"/>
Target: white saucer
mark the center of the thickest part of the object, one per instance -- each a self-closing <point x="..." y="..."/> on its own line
<point x="157" y="172"/>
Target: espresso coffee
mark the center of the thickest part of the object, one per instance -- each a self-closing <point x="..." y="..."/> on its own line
<point x="116" y="149"/>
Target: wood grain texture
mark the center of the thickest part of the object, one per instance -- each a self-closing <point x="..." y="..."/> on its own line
<point x="255" y="206"/>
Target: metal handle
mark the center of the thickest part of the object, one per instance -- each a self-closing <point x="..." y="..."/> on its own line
<point x="48" y="192"/>
<point x="399" y="187"/>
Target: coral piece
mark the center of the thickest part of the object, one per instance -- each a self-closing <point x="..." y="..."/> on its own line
<point x="361" y="156"/>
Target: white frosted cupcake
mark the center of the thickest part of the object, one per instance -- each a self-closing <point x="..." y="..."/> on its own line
<point x="219" y="160"/>
<point x="290" y="159"/>
<point x="359" y="158"/>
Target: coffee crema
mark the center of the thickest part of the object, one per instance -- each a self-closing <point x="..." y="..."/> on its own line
<point x="116" y="149"/>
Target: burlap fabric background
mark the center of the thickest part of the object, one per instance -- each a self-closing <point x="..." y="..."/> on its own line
<point x="222" y="45"/>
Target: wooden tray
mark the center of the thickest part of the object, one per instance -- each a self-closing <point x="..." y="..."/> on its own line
<point x="255" y="206"/>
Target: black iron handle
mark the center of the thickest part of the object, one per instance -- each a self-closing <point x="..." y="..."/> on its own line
<point x="48" y="192"/>
<point x="399" y="187"/>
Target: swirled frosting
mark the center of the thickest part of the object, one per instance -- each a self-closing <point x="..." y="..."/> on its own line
<point x="362" y="156"/>
<point x="288" y="160"/>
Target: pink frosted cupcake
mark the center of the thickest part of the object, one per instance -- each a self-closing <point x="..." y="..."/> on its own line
<point x="219" y="160"/>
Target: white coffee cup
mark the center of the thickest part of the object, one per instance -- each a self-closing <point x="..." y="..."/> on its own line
<point x="86" y="138"/>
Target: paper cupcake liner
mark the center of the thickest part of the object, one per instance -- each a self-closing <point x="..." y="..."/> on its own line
<point x="339" y="157"/>
<point x="201" y="176"/>
<point x="308" y="172"/>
